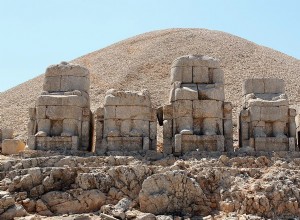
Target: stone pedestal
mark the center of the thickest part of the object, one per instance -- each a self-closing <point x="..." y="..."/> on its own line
<point x="184" y="143"/>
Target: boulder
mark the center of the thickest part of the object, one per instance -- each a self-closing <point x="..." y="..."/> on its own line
<point x="11" y="146"/>
<point x="171" y="192"/>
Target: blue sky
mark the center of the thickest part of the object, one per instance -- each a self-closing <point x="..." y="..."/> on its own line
<point x="37" y="33"/>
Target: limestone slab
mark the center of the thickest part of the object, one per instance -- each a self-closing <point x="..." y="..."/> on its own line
<point x="273" y="85"/>
<point x="271" y="144"/>
<point x="127" y="98"/>
<point x="211" y="91"/>
<point x="196" y="60"/>
<point x="153" y="130"/>
<point x="54" y="143"/>
<point x="218" y="76"/>
<point x="178" y="143"/>
<point x="133" y="112"/>
<point x="70" y="127"/>
<point x="41" y="112"/>
<point x="146" y="143"/>
<point x="255" y="113"/>
<point x="185" y="73"/>
<point x="109" y="112"/>
<point x="44" y="125"/>
<point x="200" y="74"/>
<point x="167" y="145"/>
<point x="183" y="124"/>
<point x="111" y="127"/>
<point x="125" y="127"/>
<point x="258" y="86"/>
<point x="71" y="83"/>
<point x="168" y="129"/>
<point x="207" y="109"/>
<point x="228" y="128"/>
<point x="274" y="113"/>
<point x="63" y="112"/>
<point x="186" y="92"/>
<point x="52" y="84"/>
<point x="292" y="144"/>
<point x="202" y="143"/>
<point x="140" y="128"/>
<point x="182" y="108"/>
<point x="247" y="87"/>
<point x="66" y="69"/>
<point x="124" y="143"/>
<point x="167" y="112"/>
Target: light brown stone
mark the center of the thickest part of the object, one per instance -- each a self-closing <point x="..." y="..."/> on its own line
<point x="11" y="146"/>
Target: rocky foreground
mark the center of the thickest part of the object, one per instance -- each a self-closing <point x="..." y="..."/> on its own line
<point x="45" y="185"/>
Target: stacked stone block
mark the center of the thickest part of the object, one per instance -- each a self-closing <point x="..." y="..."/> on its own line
<point x="127" y="122"/>
<point x="266" y="123"/>
<point x="62" y="117"/>
<point x="5" y="133"/>
<point x="197" y="117"/>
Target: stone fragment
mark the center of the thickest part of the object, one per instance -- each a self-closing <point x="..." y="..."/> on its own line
<point x="211" y="91"/>
<point x="74" y="201"/>
<point x="186" y="92"/>
<point x="11" y="146"/>
<point x="14" y="212"/>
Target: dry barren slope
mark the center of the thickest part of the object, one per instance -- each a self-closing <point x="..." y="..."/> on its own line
<point x="143" y="62"/>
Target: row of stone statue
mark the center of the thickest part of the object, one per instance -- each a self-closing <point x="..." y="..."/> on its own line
<point x="196" y="118"/>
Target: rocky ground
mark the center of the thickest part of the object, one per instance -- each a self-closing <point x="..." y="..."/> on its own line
<point x="47" y="185"/>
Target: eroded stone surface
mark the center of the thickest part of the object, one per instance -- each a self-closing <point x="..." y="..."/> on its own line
<point x="125" y="187"/>
<point x="171" y="192"/>
<point x="61" y="118"/>
<point x="266" y="122"/>
<point x="197" y="110"/>
<point x="127" y="122"/>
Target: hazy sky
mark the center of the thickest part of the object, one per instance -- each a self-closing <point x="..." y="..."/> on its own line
<point x="37" y="33"/>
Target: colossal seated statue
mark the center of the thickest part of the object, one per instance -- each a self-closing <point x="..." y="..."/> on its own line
<point x="197" y="117"/>
<point x="127" y="122"/>
<point x="266" y="122"/>
<point x="61" y="117"/>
